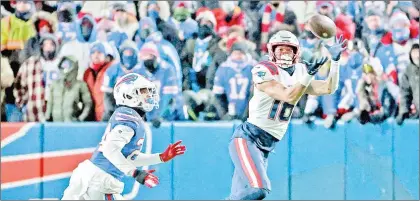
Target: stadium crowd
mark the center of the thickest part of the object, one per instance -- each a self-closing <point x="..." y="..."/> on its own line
<point x="61" y="60"/>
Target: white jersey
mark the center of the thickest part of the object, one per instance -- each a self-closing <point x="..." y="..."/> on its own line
<point x="271" y="115"/>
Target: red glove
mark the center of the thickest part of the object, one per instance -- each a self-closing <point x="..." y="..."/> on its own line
<point x="172" y="151"/>
<point x="146" y="178"/>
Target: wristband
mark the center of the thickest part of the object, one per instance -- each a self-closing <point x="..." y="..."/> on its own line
<point x="306" y="80"/>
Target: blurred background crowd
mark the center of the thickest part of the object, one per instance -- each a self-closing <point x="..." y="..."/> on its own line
<point x="61" y="59"/>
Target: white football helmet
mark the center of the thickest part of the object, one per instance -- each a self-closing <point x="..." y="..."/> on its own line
<point x="133" y="90"/>
<point x="283" y="38"/>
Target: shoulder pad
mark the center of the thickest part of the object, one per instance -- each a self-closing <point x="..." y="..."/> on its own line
<point x="128" y="115"/>
<point x="270" y="66"/>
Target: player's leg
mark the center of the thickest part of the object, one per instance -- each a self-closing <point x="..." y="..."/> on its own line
<point x="93" y="194"/>
<point x="250" y="180"/>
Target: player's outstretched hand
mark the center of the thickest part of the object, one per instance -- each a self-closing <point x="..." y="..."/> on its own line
<point x="172" y="151"/>
<point x="313" y="68"/>
<point x="146" y="178"/>
<point x="340" y="44"/>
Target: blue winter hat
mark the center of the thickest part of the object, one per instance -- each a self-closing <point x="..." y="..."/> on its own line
<point x="98" y="47"/>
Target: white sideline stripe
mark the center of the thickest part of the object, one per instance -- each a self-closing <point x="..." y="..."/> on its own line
<point x="246" y="162"/>
<point x="22" y="132"/>
<point x="47" y="154"/>
<point x="35" y="180"/>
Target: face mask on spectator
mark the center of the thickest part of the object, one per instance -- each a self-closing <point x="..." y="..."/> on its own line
<point x="204" y="31"/>
<point x="400" y="35"/>
<point x="23" y="15"/>
<point x="86" y="28"/>
<point x="154" y="14"/>
<point x="48" y="55"/>
<point x="151" y="64"/>
<point x="128" y="59"/>
<point x="145" y="33"/>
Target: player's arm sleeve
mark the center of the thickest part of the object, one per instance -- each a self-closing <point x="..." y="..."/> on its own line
<point x="116" y="139"/>
<point x="328" y="86"/>
<point x="143" y="159"/>
<point x="261" y="74"/>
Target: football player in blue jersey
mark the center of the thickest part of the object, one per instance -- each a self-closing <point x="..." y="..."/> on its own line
<point x="118" y="154"/>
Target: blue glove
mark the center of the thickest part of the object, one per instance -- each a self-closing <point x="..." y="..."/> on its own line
<point x="312" y="68"/>
<point x="337" y="48"/>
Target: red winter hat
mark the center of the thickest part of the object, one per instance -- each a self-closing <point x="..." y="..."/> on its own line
<point x="43" y="23"/>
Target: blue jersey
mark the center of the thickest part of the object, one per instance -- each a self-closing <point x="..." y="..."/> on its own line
<point x="127" y="117"/>
<point x="166" y="82"/>
<point x="234" y="81"/>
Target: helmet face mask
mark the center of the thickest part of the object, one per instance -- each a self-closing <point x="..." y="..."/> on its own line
<point x="135" y="91"/>
<point x="283" y="49"/>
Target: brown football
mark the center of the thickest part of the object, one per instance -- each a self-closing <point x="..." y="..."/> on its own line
<point x="322" y="26"/>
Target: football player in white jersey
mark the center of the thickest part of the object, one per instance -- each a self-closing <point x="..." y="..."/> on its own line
<point x="118" y="154"/>
<point x="278" y="85"/>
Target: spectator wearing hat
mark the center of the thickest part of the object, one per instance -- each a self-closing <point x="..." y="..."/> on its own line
<point x="395" y="57"/>
<point x="128" y="63"/>
<point x="125" y="21"/>
<point x="34" y="78"/>
<point x="44" y="22"/>
<point x="181" y="20"/>
<point x="373" y="31"/>
<point x="163" y="75"/>
<point x="149" y="33"/>
<point x="410" y="87"/>
<point x="159" y="12"/>
<point x="67" y="94"/>
<point x="67" y="26"/>
<point x="374" y="105"/>
<point x="234" y="34"/>
<point x="276" y="16"/>
<point x="16" y="29"/>
<point x="86" y="35"/>
<point x="227" y="15"/>
<point x="101" y="58"/>
<point x="201" y="53"/>
<point x="234" y="80"/>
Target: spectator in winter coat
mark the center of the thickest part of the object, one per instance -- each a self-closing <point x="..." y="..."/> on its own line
<point x="67" y="93"/>
<point x="86" y="35"/>
<point x="124" y="20"/>
<point x="44" y="22"/>
<point x="128" y="64"/>
<point x="395" y="57"/>
<point x="181" y="20"/>
<point x="373" y="31"/>
<point x="49" y="61"/>
<point x="7" y="78"/>
<point x="201" y="53"/>
<point x="101" y="58"/>
<point x="16" y="29"/>
<point x="252" y="18"/>
<point x="67" y="25"/>
<point x="32" y="81"/>
<point x="410" y="87"/>
<point x="164" y="77"/>
<point x="159" y="11"/>
<point x="148" y="33"/>
<point x="370" y="95"/>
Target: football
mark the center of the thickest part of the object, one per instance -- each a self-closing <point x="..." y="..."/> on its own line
<point x="322" y="26"/>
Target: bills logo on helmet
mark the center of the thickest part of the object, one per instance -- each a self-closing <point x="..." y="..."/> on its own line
<point x="128" y="79"/>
